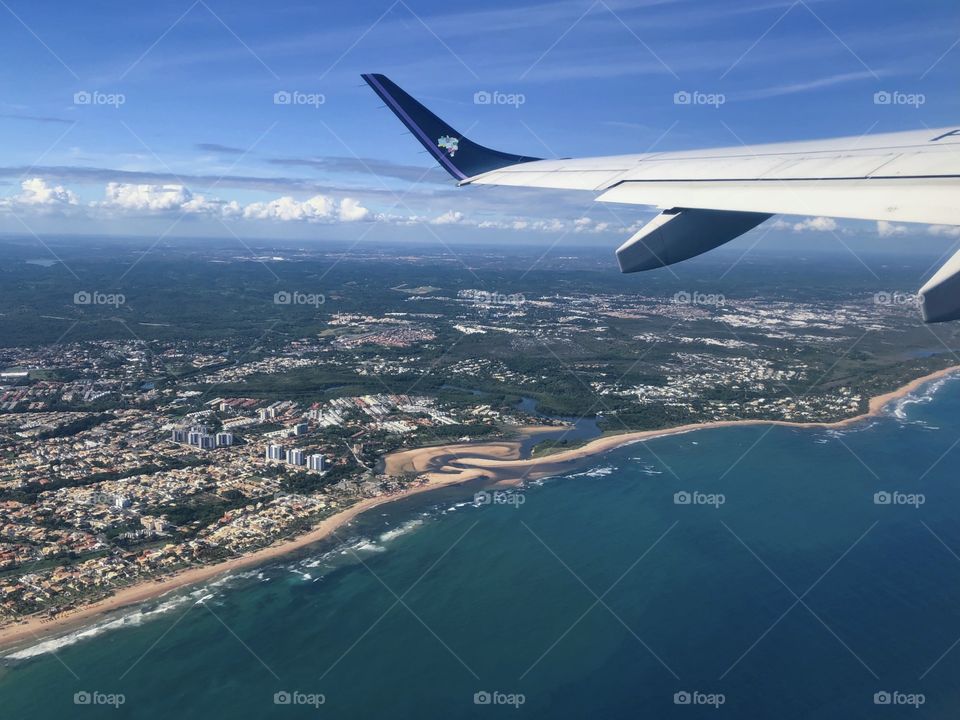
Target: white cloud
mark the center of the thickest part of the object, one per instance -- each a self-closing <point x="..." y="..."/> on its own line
<point x="352" y="211"/>
<point x="137" y="200"/>
<point x="450" y="217"/>
<point x="35" y="191"/>
<point x="144" y="198"/>
<point x="38" y="197"/>
<point x="589" y="225"/>
<point x="549" y="225"/>
<point x="817" y="224"/>
<point x="887" y="229"/>
<point x="319" y="208"/>
<point x="944" y="230"/>
<point x="120" y="198"/>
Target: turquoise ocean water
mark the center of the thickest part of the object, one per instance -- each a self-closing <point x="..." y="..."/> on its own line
<point x="785" y="588"/>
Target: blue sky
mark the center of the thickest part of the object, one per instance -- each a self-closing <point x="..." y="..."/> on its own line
<point x="159" y="118"/>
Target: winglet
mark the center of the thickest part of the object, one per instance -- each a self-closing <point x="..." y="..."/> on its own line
<point x="459" y="156"/>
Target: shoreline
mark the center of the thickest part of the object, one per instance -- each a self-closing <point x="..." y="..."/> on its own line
<point x="442" y="466"/>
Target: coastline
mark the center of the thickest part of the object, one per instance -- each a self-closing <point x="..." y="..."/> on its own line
<point x="445" y="465"/>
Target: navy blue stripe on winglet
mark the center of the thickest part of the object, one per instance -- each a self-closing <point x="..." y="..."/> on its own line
<point x="458" y="155"/>
<point x="377" y="82"/>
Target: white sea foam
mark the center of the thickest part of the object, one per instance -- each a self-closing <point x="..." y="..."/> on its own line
<point x="900" y="408"/>
<point x="369" y="546"/>
<point x="396" y="532"/>
<point x="595" y="472"/>
<point x="457" y="506"/>
<point x="131" y="619"/>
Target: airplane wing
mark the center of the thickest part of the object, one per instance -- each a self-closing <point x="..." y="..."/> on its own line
<point x="709" y="197"/>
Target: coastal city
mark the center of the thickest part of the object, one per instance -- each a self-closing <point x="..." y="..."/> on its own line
<point x="125" y="459"/>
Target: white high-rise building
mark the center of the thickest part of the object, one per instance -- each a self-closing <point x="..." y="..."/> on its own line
<point x="317" y="462"/>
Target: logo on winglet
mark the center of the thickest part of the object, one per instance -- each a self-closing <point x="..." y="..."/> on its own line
<point x="450" y="144"/>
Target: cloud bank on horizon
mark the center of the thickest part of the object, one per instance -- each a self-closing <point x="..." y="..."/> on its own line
<point x="223" y="118"/>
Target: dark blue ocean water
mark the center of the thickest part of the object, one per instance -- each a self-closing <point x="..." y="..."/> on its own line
<point x="599" y="596"/>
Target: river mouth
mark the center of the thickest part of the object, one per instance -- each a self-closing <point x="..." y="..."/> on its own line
<point x="575" y="430"/>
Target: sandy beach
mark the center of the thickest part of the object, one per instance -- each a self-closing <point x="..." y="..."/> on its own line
<point x="501" y="460"/>
<point x="495" y="460"/>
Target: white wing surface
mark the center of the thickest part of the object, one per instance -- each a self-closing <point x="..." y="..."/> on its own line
<point x="709" y="197"/>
